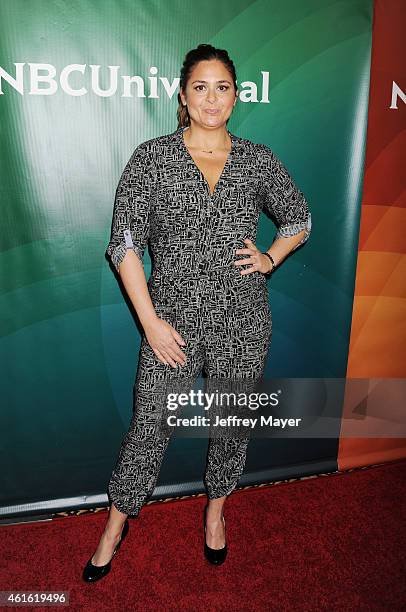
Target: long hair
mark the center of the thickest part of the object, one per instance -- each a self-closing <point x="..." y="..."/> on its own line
<point x="193" y="57"/>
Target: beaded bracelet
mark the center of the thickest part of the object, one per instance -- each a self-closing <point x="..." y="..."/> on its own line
<point x="271" y="258"/>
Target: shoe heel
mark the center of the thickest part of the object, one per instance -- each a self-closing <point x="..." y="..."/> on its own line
<point x="92" y="573"/>
<point x="213" y="555"/>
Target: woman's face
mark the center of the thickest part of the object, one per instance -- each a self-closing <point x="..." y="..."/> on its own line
<point x="209" y="94"/>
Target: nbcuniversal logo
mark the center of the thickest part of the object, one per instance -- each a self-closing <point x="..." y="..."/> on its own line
<point x="37" y="79"/>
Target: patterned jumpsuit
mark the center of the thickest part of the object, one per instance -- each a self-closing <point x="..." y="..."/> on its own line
<point x="223" y="316"/>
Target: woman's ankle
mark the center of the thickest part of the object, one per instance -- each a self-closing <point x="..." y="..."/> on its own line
<point x="114" y="528"/>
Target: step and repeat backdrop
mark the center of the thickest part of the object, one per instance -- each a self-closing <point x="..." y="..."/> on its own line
<point x="81" y="85"/>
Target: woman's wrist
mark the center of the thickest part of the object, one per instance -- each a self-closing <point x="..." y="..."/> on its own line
<point x="149" y="321"/>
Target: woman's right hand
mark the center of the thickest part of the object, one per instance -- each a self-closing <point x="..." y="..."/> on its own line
<point x="164" y="341"/>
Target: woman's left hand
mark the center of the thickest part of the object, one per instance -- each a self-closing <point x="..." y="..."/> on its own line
<point x="259" y="262"/>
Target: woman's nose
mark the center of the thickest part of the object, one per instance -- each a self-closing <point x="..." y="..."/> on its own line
<point x="211" y="96"/>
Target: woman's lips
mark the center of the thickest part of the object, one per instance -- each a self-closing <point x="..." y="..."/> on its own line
<point x="211" y="111"/>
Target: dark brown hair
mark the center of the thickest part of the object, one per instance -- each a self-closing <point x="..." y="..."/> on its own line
<point x="193" y="57"/>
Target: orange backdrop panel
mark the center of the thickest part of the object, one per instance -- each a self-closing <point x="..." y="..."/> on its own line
<point x="378" y="332"/>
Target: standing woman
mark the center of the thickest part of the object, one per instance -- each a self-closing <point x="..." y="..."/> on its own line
<point x="196" y="195"/>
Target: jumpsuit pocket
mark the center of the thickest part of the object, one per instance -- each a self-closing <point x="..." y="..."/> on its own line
<point x="165" y="310"/>
<point x="163" y="298"/>
<point x="254" y="316"/>
<point x="250" y="309"/>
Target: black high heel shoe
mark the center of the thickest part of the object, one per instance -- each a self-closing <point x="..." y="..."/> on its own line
<point x="213" y="555"/>
<point x="91" y="572"/>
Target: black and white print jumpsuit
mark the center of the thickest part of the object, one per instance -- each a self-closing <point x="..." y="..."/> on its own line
<point x="224" y="317"/>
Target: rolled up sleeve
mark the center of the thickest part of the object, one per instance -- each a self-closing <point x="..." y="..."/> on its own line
<point x="131" y="211"/>
<point x="283" y="200"/>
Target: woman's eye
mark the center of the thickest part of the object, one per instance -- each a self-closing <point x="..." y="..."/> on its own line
<point x="222" y="87"/>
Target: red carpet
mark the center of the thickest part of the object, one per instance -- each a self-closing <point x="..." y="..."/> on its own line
<point x="333" y="542"/>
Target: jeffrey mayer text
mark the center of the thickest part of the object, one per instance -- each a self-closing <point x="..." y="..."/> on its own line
<point x="267" y="421"/>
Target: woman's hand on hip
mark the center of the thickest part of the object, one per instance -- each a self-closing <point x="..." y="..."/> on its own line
<point x="259" y="262"/>
<point x="164" y="341"/>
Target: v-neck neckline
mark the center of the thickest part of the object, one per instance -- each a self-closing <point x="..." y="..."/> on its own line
<point x="227" y="162"/>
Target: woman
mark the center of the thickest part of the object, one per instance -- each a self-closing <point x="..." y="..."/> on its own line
<point x="196" y="195"/>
